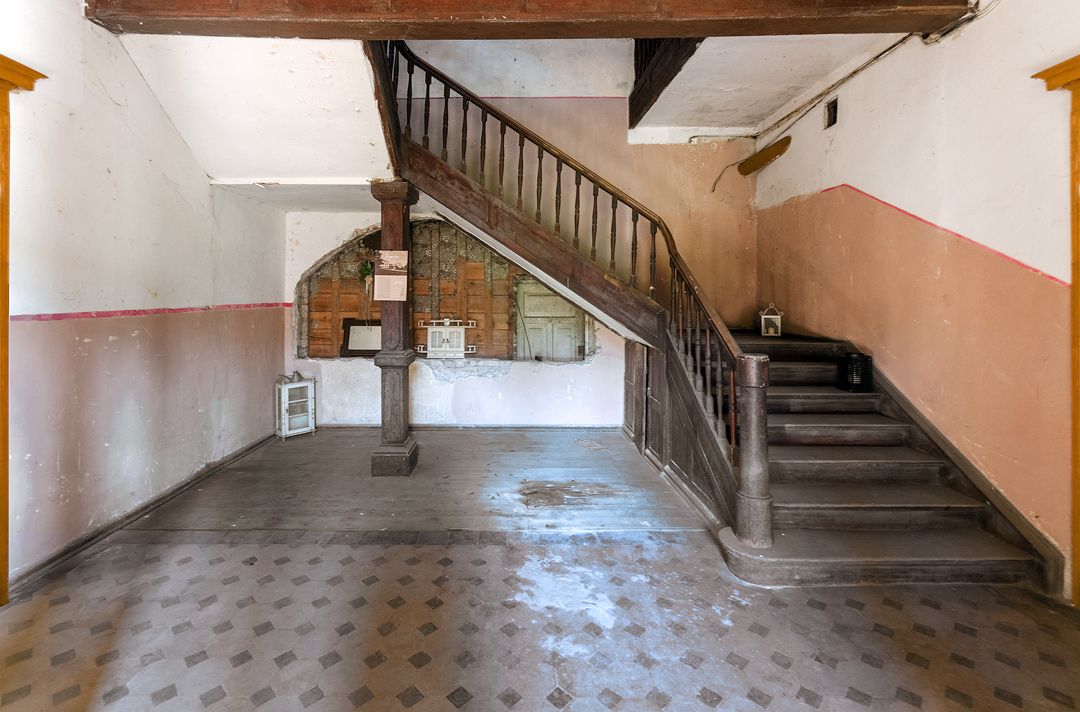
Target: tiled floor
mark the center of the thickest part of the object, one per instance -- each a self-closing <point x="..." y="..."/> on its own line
<point x="490" y="621"/>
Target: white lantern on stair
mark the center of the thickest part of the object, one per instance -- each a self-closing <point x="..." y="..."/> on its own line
<point x="770" y="322"/>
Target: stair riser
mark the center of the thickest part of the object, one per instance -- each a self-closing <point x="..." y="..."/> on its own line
<point x="833" y="573"/>
<point x="874" y="519"/>
<point x="854" y="472"/>
<point x="801" y="376"/>
<point x="823" y="352"/>
<point x="825" y="404"/>
<point x="837" y="435"/>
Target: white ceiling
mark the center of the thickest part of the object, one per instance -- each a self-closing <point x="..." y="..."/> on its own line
<point x="732" y="85"/>
<point x="255" y="110"/>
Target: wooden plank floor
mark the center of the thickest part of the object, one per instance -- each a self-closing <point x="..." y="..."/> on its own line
<point x="475" y="479"/>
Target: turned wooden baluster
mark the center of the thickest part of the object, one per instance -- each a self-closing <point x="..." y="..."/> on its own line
<point x="539" y="178"/>
<point x="558" y="197"/>
<point x="708" y="371"/>
<point x="445" y="120"/>
<point x="408" y="98"/>
<point x="633" y="249"/>
<point x="577" y="209"/>
<point x="697" y="346"/>
<point x="595" y="203"/>
<point x="614" y="227"/>
<point x="427" y="108"/>
<point x="464" y="133"/>
<point x="521" y="168"/>
<point x="502" y="159"/>
<point x="483" y="147"/>
<point x="652" y="260"/>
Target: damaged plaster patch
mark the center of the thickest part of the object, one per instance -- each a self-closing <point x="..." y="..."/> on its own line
<point x="453" y="370"/>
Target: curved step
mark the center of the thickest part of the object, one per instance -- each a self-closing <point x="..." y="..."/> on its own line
<point x="836" y="429"/>
<point x="819" y="399"/>
<point x="823" y="557"/>
<point x="790" y="348"/>
<point x="852" y="463"/>
<point x="872" y="506"/>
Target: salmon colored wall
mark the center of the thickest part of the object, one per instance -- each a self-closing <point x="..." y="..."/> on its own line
<point x="715" y="232"/>
<point x="109" y="412"/>
<point x="978" y="342"/>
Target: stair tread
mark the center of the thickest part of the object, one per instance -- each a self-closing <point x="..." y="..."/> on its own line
<point x="815" y="391"/>
<point x="819" y="365"/>
<point x="848" y="453"/>
<point x="834" y="419"/>
<point x="818" y="545"/>
<point x="744" y="338"/>
<point x="885" y="496"/>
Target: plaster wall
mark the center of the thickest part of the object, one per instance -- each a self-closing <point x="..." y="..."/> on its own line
<point x="146" y="330"/>
<point x="469" y="392"/>
<point x="930" y="226"/>
<point x="714" y="231"/>
<point x="269" y="110"/>
<point x="957" y="133"/>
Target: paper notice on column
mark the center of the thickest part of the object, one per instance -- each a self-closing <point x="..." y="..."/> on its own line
<point x="392" y="276"/>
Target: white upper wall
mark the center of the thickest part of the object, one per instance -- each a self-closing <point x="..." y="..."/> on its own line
<point x="957" y="133"/>
<point x="269" y="110"/>
<point x="537" y="68"/>
<point x="109" y="209"/>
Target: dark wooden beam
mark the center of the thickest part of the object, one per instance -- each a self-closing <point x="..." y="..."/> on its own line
<point x="654" y="78"/>
<point x="520" y="19"/>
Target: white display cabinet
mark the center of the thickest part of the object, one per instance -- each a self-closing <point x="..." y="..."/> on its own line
<point x="295" y="406"/>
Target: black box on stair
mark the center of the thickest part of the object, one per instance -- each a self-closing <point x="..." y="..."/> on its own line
<point x="855" y="373"/>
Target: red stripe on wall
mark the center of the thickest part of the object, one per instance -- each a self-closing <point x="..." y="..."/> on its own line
<point x="145" y="312"/>
<point x="1015" y="261"/>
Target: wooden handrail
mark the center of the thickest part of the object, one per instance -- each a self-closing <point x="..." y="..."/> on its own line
<point x="716" y="321"/>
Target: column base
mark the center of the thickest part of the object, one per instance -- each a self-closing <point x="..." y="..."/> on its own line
<point x="394" y="459"/>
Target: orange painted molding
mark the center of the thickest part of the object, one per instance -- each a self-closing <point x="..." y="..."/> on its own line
<point x="13" y="77"/>
<point x="1061" y="76"/>
<point x="17" y="76"/>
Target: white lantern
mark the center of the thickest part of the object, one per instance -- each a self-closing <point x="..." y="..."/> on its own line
<point x="770" y="322"/>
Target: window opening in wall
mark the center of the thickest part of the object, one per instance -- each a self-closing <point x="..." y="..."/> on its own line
<point x="832" y="107"/>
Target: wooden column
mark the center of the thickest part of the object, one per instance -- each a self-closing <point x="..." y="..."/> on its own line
<point x="396" y="455"/>
<point x="1067" y="76"/>
<point x="13" y="77"/>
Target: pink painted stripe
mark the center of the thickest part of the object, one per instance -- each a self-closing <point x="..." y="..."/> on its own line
<point x="145" y="312"/>
<point x="965" y="238"/>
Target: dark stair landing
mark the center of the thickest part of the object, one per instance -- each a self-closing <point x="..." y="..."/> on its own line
<point x="855" y="499"/>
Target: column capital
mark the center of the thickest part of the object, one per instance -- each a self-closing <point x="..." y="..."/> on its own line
<point x="395" y="191"/>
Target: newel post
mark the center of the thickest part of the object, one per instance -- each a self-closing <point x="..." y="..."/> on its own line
<point x="753" y="511"/>
<point x="397" y="453"/>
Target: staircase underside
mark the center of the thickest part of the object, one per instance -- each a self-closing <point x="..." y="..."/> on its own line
<point x="533" y="244"/>
<point x="857" y="496"/>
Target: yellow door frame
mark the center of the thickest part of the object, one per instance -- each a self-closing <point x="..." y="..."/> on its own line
<point x="1067" y="76"/>
<point x="13" y="77"/>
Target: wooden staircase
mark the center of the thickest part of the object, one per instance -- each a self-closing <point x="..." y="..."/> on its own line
<point x="858" y="494"/>
<point x="804" y="483"/>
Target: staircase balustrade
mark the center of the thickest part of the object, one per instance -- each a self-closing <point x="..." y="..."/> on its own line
<point x="430" y="111"/>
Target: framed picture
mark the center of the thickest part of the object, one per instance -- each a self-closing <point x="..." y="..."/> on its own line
<point x="362" y="337"/>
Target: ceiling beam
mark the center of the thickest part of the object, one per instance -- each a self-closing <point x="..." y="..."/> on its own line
<point x="520" y="19"/>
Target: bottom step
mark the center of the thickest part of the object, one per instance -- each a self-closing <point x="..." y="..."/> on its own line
<point x="824" y="557"/>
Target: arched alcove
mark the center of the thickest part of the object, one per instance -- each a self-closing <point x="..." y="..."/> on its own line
<point x="453" y="276"/>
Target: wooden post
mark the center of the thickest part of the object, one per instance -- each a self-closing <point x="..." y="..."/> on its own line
<point x="13" y="77"/>
<point x="396" y="455"/>
<point x="1067" y="76"/>
<point x="753" y="508"/>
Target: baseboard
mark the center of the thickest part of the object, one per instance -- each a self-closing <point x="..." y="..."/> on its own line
<point x="346" y="426"/>
<point x="1052" y="559"/>
<point x="28" y="580"/>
